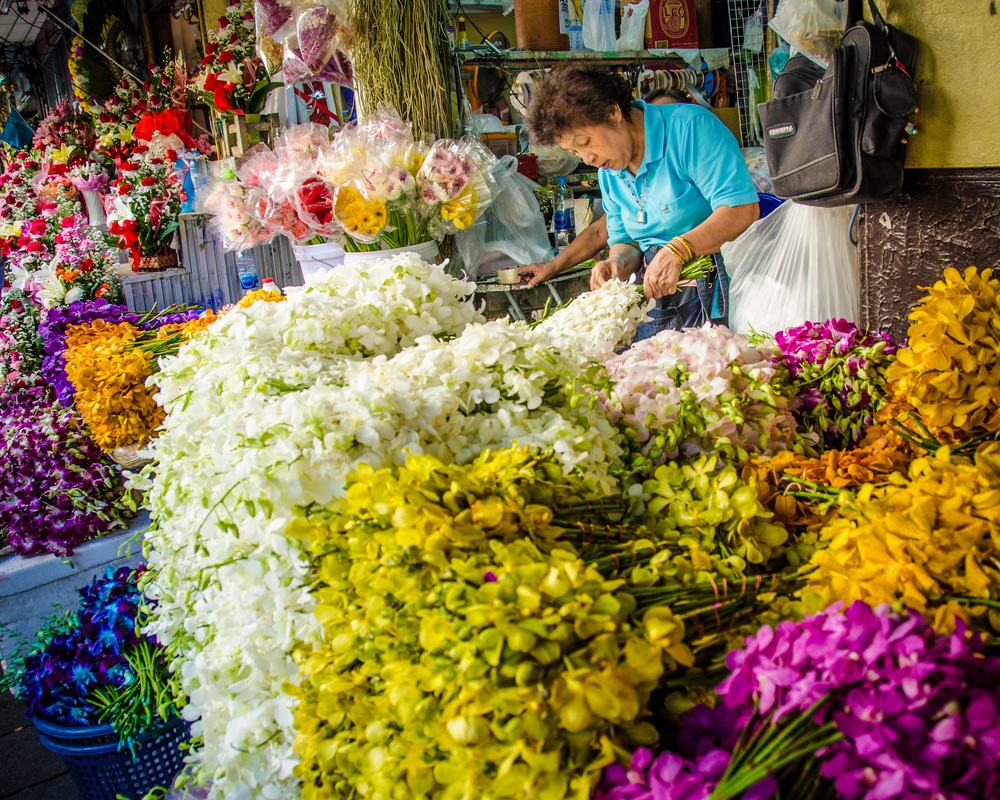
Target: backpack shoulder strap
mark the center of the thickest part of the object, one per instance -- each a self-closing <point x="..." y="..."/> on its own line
<point x="856" y="14"/>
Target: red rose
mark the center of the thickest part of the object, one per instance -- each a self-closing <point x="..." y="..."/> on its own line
<point x="16" y="305"/>
<point x="124" y="188"/>
<point x="226" y="56"/>
<point x="149" y="181"/>
<point x="223" y="23"/>
<point x="316" y="200"/>
<point x="128" y="166"/>
<point x="37" y="227"/>
<point x="67" y="222"/>
<point x="34" y="247"/>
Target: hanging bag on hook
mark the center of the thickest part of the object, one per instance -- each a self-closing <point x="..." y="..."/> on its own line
<point x="836" y="136"/>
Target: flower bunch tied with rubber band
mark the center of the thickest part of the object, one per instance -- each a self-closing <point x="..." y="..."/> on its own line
<point x="91" y="666"/>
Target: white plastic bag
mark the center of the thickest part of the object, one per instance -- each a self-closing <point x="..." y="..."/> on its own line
<point x="599" y="25"/>
<point x="633" y="28"/>
<point x="511" y="231"/>
<point x="796" y="265"/>
<point x="813" y="27"/>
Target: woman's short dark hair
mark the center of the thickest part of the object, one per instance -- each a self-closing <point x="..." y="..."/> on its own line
<point x="575" y="95"/>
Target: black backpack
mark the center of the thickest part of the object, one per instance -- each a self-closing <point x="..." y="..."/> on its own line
<point x="835" y="137"/>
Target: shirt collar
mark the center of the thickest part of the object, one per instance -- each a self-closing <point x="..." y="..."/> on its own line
<point x="654" y="129"/>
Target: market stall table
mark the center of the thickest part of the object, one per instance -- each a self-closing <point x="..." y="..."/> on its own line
<point x="30" y="588"/>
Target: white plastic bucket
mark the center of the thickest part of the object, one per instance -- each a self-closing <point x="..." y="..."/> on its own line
<point x="315" y="258"/>
<point x="428" y="251"/>
<point x="95" y="208"/>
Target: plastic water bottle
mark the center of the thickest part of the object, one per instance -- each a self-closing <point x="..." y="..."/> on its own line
<point x="563" y="217"/>
<point x="270" y="286"/>
<point x="246" y="266"/>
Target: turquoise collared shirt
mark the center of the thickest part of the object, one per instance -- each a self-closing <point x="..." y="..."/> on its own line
<point x="691" y="167"/>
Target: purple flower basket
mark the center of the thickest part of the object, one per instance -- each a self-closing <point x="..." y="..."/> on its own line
<point x="102" y="771"/>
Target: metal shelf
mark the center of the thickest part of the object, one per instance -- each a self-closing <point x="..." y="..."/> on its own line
<point x="484" y="56"/>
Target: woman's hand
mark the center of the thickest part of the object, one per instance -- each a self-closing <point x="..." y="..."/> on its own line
<point x="621" y="265"/>
<point x="539" y="273"/>
<point x="662" y="274"/>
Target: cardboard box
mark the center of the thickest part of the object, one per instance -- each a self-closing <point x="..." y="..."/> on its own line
<point x="672" y="24"/>
<point x="731" y="117"/>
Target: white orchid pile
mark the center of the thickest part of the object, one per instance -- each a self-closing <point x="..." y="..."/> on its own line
<point x="267" y="412"/>
<point x="600" y="322"/>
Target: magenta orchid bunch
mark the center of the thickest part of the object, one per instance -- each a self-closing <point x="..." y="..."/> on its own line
<point x="856" y="703"/>
<point x="836" y="374"/>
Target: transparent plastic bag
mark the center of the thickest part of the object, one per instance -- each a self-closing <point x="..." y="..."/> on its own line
<point x="812" y="27"/>
<point x="753" y="31"/>
<point x="511" y="230"/>
<point x="599" y="25"/>
<point x="796" y="265"/>
<point x="633" y="27"/>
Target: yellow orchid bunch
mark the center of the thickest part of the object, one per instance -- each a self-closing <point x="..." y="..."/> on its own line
<point x="477" y="643"/>
<point x="109" y="375"/>
<point x="950" y="371"/>
<point x="930" y="541"/>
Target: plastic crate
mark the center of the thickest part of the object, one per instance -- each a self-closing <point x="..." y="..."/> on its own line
<point x="102" y="771"/>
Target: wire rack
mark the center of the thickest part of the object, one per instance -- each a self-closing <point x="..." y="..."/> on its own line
<point x="749" y="65"/>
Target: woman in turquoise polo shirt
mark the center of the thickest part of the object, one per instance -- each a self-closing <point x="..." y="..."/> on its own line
<point x="673" y="184"/>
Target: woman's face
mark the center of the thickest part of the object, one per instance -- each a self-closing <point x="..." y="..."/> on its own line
<point x="610" y="145"/>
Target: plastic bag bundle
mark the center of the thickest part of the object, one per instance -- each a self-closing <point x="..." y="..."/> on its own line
<point x="795" y="265"/>
<point x="633" y="26"/>
<point x="813" y="27"/>
<point x="511" y="231"/>
<point x="599" y="25"/>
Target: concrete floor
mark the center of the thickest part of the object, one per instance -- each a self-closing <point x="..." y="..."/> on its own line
<point x="27" y="770"/>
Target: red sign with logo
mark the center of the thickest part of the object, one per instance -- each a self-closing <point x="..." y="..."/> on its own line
<point x="672" y="24"/>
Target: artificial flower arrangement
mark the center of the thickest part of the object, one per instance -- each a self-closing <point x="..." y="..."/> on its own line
<point x="462" y="560"/>
<point x="57" y="488"/>
<point x="81" y="267"/>
<point x="92" y="666"/>
<point x="30" y="196"/>
<point x="373" y="187"/>
<point x="65" y="135"/>
<point x="20" y="344"/>
<point x="144" y="207"/>
<point x="231" y="76"/>
<point x="117" y="117"/>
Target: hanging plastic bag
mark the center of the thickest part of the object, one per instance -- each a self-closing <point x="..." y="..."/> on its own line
<point x="813" y="27"/>
<point x="796" y="265"/>
<point x="633" y="28"/>
<point x="599" y="25"/>
<point x="511" y="230"/>
<point x="753" y="31"/>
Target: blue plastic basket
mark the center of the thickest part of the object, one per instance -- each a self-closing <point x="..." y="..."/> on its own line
<point x="103" y="772"/>
<point x="768" y="203"/>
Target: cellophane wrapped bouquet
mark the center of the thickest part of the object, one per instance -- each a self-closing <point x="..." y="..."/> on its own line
<point x="373" y="187"/>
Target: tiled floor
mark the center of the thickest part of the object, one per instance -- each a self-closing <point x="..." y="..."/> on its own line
<point x="27" y="770"/>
